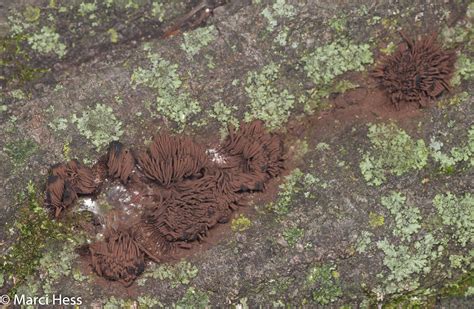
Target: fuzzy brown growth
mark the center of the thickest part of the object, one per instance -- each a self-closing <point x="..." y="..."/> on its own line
<point x="59" y="194"/>
<point x="66" y="182"/>
<point x="418" y="71"/>
<point x="120" y="162"/>
<point x="80" y="177"/>
<point x="171" y="159"/>
<point x="118" y="257"/>
<point x="253" y="154"/>
<point x="186" y="212"/>
<point x="185" y="193"/>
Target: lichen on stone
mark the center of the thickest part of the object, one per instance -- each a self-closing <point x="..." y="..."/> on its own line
<point x="172" y="101"/>
<point x="99" y="125"/>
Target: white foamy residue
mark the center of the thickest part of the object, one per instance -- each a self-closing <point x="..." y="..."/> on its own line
<point x="215" y="156"/>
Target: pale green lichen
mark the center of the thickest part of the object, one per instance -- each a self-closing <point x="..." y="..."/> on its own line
<point x="336" y="58"/>
<point x="55" y="265"/>
<point x="178" y="274"/>
<point x="158" y="10"/>
<point x="224" y="114"/>
<point x="457" y="154"/>
<point x="279" y="9"/>
<point x="46" y="42"/>
<point x="392" y="151"/>
<point x="195" y="40"/>
<point x="464" y="70"/>
<point x="406" y="217"/>
<point x="87" y="8"/>
<point x="267" y="102"/>
<point x="193" y="298"/>
<point x="319" y="96"/>
<point x="99" y="125"/>
<point x="172" y="101"/>
<point x="405" y="263"/>
<point x="458" y="213"/>
<point x="364" y="242"/>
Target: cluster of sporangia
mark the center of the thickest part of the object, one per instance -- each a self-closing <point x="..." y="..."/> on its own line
<point x="187" y="193"/>
<point x="418" y="71"/>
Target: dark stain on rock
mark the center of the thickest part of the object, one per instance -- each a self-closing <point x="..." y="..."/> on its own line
<point x="418" y="71"/>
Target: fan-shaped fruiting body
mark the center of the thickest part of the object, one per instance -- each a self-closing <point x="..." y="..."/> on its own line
<point x="66" y="182"/>
<point x="418" y="71"/>
<point x="186" y="193"/>
<point x="59" y="194"/>
<point x="171" y="159"/>
<point x="120" y="162"/>
<point x="118" y="257"/>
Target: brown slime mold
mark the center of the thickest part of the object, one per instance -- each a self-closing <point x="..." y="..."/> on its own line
<point x="186" y="193"/>
<point x="418" y="71"/>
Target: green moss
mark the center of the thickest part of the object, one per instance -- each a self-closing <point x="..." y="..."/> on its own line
<point x="171" y="101"/>
<point x="114" y="36"/>
<point x="56" y="264"/>
<point x="177" y="274"/>
<point x="329" y="61"/>
<point x="376" y="220"/>
<point x="293" y="235"/>
<point x="458" y="213"/>
<point x="195" y="40"/>
<point x="15" y="61"/>
<point x="240" y="224"/>
<point x="20" y="151"/>
<point x="193" y="298"/>
<point x="393" y="151"/>
<point x="46" y="42"/>
<point x="31" y="13"/>
<point x="406" y="217"/>
<point x="324" y="282"/>
<point x="286" y="192"/>
<point x="267" y="102"/>
<point x="34" y="230"/>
